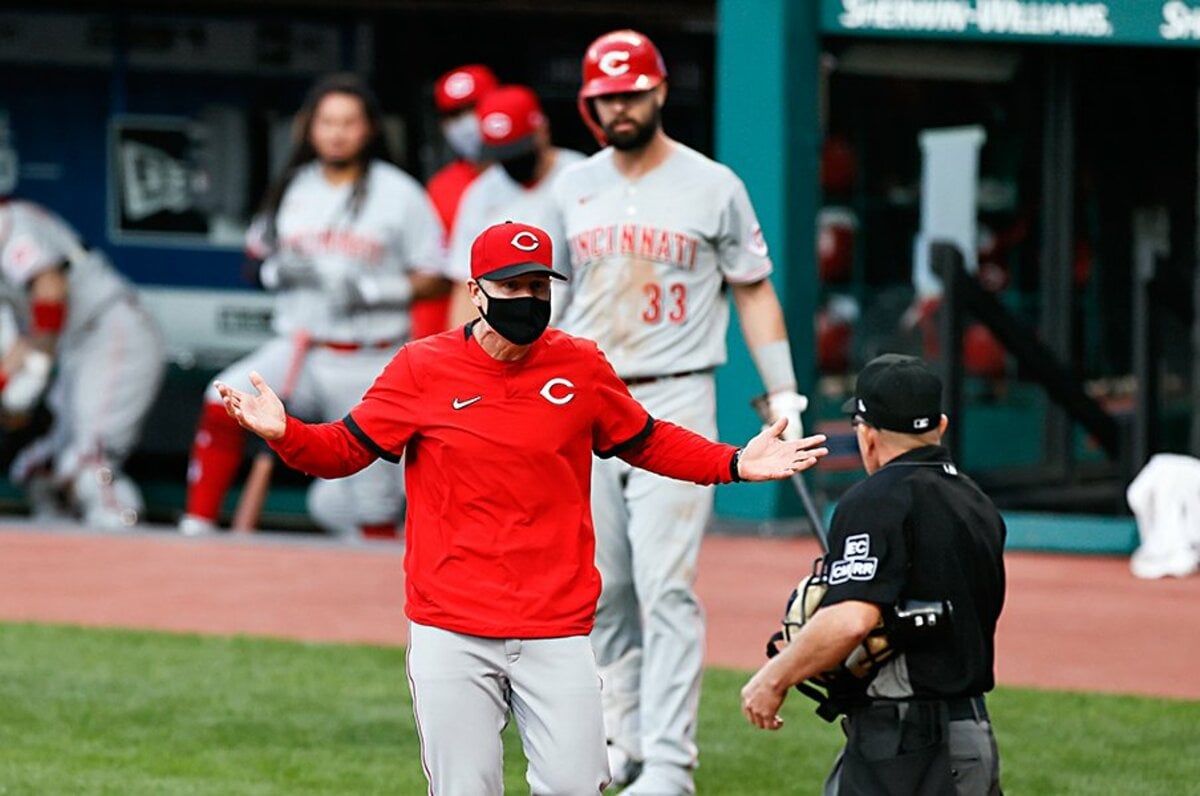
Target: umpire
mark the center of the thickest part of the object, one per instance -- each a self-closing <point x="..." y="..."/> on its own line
<point x="916" y="532"/>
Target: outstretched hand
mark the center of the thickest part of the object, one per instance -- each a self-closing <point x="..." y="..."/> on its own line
<point x="262" y="413"/>
<point x="767" y="457"/>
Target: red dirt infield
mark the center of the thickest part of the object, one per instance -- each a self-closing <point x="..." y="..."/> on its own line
<point x="1071" y="622"/>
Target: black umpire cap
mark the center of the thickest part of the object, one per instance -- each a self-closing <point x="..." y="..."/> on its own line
<point x="897" y="393"/>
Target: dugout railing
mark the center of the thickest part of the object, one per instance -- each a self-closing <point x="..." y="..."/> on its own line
<point x="1057" y="483"/>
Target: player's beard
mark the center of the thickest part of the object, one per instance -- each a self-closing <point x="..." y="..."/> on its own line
<point x="638" y="138"/>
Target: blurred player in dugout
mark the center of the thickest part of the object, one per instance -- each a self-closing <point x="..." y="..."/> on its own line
<point x="455" y="94"/>
<point x="346" y="240"/>
<point x="517" y="186"/>
<point x="658" y="235"/>
<point x="74" y="335"/>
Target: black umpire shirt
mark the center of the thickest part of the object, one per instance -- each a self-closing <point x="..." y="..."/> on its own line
<point x="918" y="529"/>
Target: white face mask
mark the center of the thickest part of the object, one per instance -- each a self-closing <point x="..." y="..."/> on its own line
<point x="462" y="134"/>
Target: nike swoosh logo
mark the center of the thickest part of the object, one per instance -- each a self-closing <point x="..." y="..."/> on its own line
<point x="585" y="199"/>
<point x="463" y="404"/>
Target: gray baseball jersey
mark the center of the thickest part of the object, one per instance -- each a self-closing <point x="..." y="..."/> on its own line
<point x="394" y="231"/>
<point x="33" y="240"/>
<point x="494" y="198"/>
<point x="649" y="258"/>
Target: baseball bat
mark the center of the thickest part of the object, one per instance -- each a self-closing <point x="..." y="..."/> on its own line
<point x="254" y="494"/>
<point x="810" y="507"/>
<point x="248" y="510"/>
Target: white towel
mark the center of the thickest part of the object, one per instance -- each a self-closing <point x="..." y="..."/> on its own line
<point x="1165" y="498"/>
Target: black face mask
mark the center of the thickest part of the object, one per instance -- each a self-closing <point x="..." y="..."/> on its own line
<point x="518" y="320"/>
<point x="521" y="167"/>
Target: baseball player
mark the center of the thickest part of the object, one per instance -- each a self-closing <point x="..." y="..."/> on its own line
<point x="658" y="234"/>
<point x="97" y="356"/>
<point x="917" y="532"/>
<point x="516" y="136"/>
<point x="455" y="94"/>
<point x="342" y="238"/>
<point x="498" y="422"/>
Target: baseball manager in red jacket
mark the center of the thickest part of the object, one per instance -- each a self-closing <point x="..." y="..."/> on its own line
<point x="498" y="421"/>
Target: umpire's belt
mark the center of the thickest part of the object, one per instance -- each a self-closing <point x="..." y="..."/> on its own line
<point x="957" y="708"/>
<point x="963" y="708"/>
<point x="353" y="345"/>
<point x="636" y="380"/>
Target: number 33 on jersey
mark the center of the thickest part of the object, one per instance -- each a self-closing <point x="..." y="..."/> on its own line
<point x="649" y="258"/>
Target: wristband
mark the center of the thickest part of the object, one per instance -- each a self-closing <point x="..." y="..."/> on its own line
<point x="774" y="363"/>
<point x="735" y="476"/>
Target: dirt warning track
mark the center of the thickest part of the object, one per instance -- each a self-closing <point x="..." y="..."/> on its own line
<point x="1071" y="622"/>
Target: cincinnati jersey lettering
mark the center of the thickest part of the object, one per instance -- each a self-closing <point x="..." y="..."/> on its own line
<point x="677" y="249"/>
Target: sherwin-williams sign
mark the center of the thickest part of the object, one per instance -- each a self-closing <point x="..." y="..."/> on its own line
<point x="1130" y="22"/>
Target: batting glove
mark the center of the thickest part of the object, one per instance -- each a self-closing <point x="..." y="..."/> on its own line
<point x="288" y="270"/>
<point x="24" y="387"/>
<point x="789" y="404"/>
<point x="372" y="290"/>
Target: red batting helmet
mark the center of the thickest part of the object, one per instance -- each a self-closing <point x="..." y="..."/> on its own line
<point x="617" y="62"/>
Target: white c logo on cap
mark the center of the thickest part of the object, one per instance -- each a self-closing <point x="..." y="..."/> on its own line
<point x="555" y="399"/>
<point x="496" y="125"/>
<point x="525" y="247"/>
<point x="459" y="85"/>
<point x="614" y="62"/>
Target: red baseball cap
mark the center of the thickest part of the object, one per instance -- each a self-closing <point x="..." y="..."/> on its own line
<point x="462" y="87"/>
<point x="508" y="118"/>
<point x="510" y="249"/>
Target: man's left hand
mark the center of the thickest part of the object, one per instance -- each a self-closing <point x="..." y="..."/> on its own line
<point x="767" y="457"/>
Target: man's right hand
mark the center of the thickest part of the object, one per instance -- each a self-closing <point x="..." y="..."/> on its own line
<point x="262" y="413"/>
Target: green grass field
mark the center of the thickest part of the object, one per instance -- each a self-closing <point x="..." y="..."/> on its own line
<point x="113" y="712"/>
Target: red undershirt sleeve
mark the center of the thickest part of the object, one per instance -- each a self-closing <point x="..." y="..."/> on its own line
<point x="378" y="427"/>
<point x="620" y="422"/>
<point x="389" y="415"/>
<point x="625" y="429"/>
<point x="326" y="450"/>
<point x="675" y="452"/>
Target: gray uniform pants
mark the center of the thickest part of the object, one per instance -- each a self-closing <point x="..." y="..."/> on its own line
<point x="649" y="632"/>
<point x="109" y="373"/>
<point x="464" y="687"/>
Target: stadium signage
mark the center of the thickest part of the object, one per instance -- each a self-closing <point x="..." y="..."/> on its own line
<point x="1121" y="22"/>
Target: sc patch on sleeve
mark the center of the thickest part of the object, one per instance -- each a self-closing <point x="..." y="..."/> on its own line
<point x="856" y="562"/>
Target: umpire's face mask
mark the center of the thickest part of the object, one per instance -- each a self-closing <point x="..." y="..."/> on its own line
<point x="518" y="320"/>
